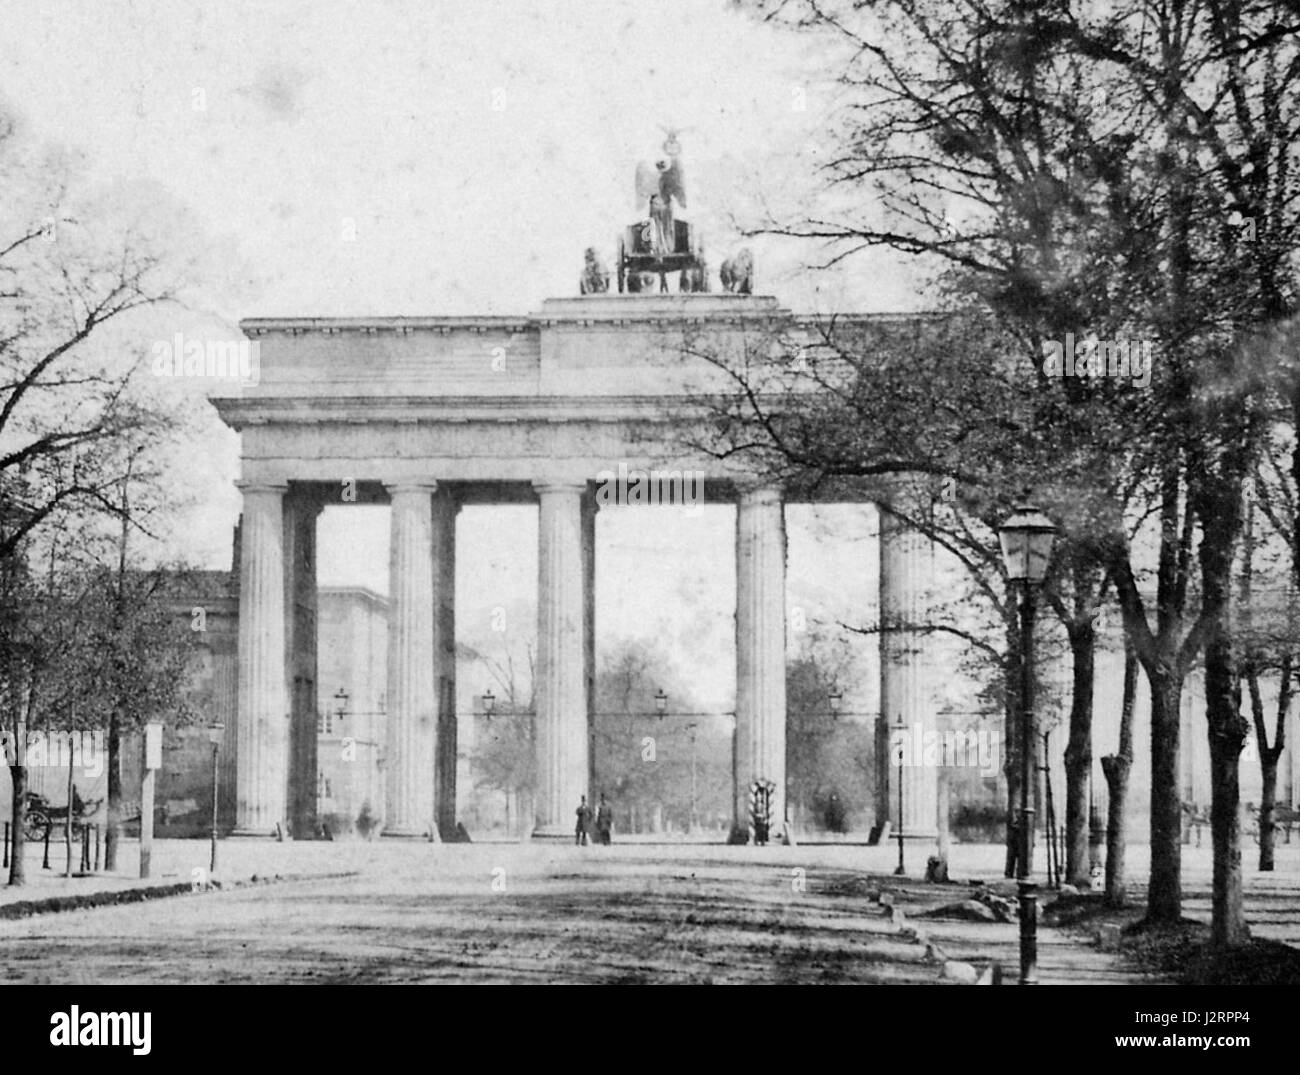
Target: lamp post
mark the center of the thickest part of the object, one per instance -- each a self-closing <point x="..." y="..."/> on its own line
<point x="214" y="737"/>
<point x="901" y="731"/>
<point x="1026" y="539"/>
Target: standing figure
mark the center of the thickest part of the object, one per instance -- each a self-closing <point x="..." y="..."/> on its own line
<point x="604" y="821"/>
<point x="595" y="277"/>
<point x="584" y="823"/>
<point x="661" y="190"/>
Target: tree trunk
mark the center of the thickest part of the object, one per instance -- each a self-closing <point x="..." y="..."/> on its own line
<point x="1116" y="768"/>
<point x="1011" y="736"/>
<point x="1165" y="893"/>
<point x="1269" y="753"/>
<point x="1267" y="803"/>
<point x="1013" y="796"/>
<point x="1227" y="727"/>
<point x="113" y="821"/>
<point x="18" y="777"/>
<point x="1078" y="756"/>
<point x="1228" y="921"/>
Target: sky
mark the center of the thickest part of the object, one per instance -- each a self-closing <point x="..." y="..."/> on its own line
<point x="434" y="157"/>
<point x="428" y="158"/>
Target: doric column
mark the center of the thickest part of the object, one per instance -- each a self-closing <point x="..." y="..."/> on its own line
<point x="589" y="508"/>
<point x="906" y="581"/>
<point x="302" y="507"/>
<point x="561" y="688"/>
<point x="760" y="652"/>
<point x="445" y="509"/>
<point x="412" y="694"/>
<point x="262" y="732"/>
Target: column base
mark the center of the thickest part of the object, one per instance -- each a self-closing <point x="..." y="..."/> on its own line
<point x="249" y="833"/>
<point x="411" y="833"/>
<point x="554" y="834"/>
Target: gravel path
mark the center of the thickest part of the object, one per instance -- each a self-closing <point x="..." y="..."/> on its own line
<point x="534" y="913"/>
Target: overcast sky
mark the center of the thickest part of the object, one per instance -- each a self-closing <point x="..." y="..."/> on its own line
<point x="428" y="157"/>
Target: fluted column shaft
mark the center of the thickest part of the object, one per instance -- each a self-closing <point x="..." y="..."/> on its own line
<point x="262" y="732"/>
<point x="906" y="581"/>
<point x="412" y="695"/>
<point x="561" y="689"/>
<point x="445" y="509"/>
<point x="760" y="651"/>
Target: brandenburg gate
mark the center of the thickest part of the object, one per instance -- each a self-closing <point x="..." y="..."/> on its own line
<point x="429" y="413"/>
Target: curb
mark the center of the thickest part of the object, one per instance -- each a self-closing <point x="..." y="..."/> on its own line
<point x="112" y="898"/>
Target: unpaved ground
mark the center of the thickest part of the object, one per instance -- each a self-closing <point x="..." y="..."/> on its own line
<point x="538" y="913"/>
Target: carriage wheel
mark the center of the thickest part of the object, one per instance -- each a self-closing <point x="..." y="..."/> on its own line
<point x="36" y="824"/>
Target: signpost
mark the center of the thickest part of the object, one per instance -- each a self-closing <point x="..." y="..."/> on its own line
<point x="152" y="763"/>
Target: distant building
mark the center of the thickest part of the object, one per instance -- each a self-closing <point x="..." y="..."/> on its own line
<point x="352" y="655"/>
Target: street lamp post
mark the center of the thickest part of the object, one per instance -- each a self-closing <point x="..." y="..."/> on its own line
<point x="1026" y="539"/>
<point x="901" y="870"/>
<point x="214" y="737"/>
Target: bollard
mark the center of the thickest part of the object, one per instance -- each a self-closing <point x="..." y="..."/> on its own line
<point x="1096" y="841"/>
<point x="46" y="864"/>
<point x="5" y="864"/>
<point x="85" y="849"/>
<point x="97" y="847"/>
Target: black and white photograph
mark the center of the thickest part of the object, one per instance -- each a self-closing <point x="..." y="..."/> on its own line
<point x="713" y="492"/>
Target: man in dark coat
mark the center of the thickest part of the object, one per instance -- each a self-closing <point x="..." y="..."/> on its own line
<point x="604" y="821"/>
<point x="584" y="822"/>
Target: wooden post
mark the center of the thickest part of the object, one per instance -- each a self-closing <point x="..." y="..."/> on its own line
<point x="97" y="835"/>
<point x="67" y="823"/>
<point x="150" y="764"/>
<point x="5" y="864"/>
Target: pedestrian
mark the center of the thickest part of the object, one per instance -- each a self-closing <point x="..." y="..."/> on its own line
<point x="584" y="823"/>
<point x="604" y="821"/>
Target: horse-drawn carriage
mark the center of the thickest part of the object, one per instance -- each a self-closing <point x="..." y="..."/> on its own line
<point x="42" y="816"/>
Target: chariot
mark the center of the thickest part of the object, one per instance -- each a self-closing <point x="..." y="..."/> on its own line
<point x="637" y="258"/>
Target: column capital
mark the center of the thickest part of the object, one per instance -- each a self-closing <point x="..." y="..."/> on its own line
<point x="428" y="486"/>
<point x="247" y="487"/>
<point x="560" y="485"/>
<point x="907" y="492"/>
<point x="760" y="493"/>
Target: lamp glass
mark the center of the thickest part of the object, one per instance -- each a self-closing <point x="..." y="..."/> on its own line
<point x="1026" y="540"/>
